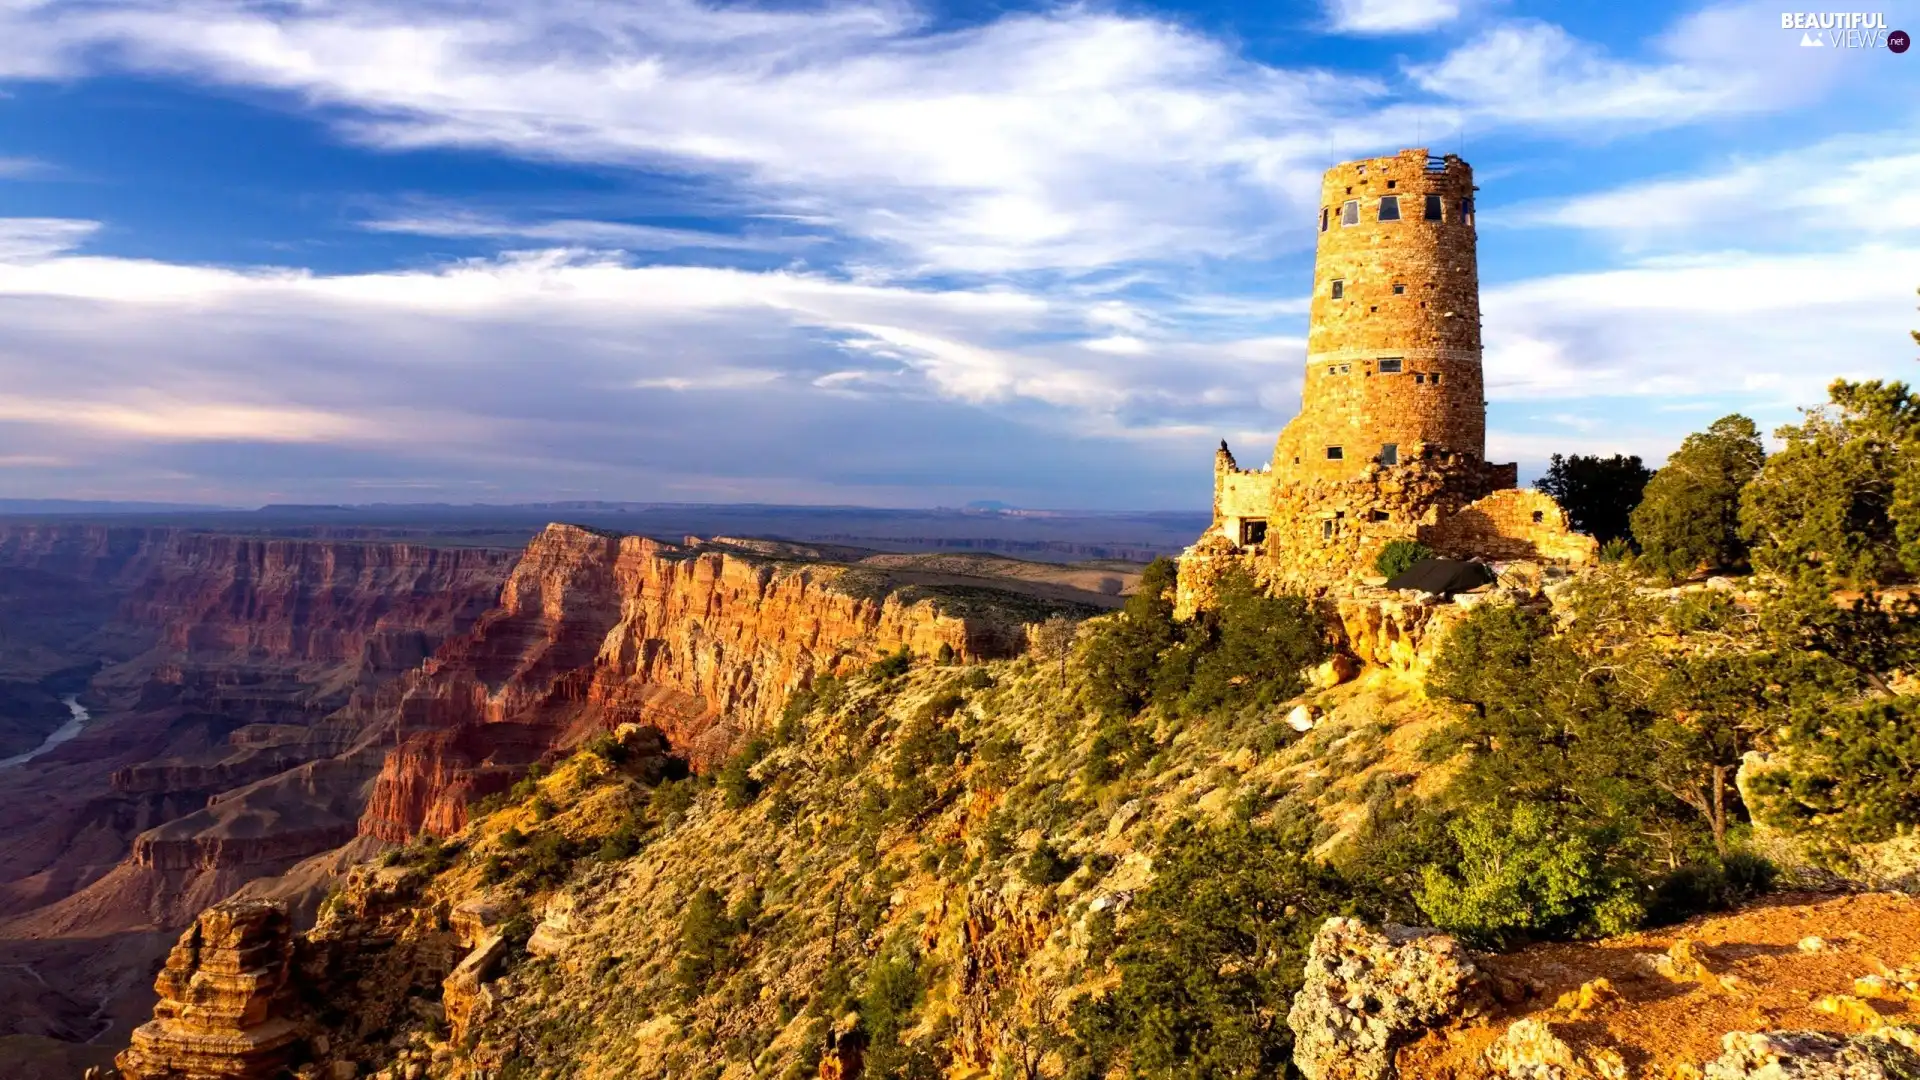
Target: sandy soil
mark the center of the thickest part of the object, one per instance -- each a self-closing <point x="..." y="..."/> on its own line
<point x="1767" y="981"/>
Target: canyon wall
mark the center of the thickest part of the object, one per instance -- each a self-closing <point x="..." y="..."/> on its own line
<point x="595" y="630"/>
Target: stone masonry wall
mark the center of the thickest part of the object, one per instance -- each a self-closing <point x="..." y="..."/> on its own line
<point x="1409" y="292"/>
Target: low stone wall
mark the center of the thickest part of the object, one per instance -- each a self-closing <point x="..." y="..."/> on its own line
<point x="1518" y="523"/>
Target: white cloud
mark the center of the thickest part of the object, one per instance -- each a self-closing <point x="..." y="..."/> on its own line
<point x="1736" y="326"/>
<point x="1725" y="60"/>
<point x="1070" y="140"/>
<point x="24" y="240"/>
<point x="1389" y="16"/>
<point x="1835" y="191"/>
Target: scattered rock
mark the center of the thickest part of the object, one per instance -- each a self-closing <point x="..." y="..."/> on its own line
<point x="1301" y="718"/>
<point x="1530" y="1050"/>
<point x="1368" y="991"/>
<point x="1813" y="943"/>
<point x="1590" y="996"/>
<point x="1336" y="669"/>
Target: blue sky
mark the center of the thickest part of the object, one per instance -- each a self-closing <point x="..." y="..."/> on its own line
<point x="890" y="253"/>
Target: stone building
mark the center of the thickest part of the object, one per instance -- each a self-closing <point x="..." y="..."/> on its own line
<point x="1390" y="441"/>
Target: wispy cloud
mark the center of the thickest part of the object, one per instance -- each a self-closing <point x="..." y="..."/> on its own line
<point x="586" y="233"/>
<point x="25" y="240"/>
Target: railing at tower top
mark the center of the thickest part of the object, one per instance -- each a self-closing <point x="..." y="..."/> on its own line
<point x="1436" y="164"/>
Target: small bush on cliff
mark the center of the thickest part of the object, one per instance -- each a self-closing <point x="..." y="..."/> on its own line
<point x="893" y="665"/>
<point x="1122" y="657"/>
<point x="1690" y="514"/>
<point x="706" y="942"/>
<point x="887" y="1003"/>
<point x="1852" y="773"/>
<point x="672" y="799"/>
<point x="1399" y="555"/>
<point x="737" y="785"/>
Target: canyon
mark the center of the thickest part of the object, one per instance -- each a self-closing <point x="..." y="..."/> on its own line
<point x="266" y="711"/>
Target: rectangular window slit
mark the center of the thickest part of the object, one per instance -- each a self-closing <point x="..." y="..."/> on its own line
<point x="1389" y="453"/>
<point x="1390" y="365"/>
<point x="1389" y="208"/>
<point x="1433" y="207"/>
<point x="1334" y="453"/>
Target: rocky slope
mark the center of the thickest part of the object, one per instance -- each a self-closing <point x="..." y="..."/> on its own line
<point x="956" y="870"/>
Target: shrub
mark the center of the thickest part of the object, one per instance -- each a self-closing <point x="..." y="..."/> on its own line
<point x="706" y="939"/>
<point x="1850" y="772"/>
<point x="1210" y="959"/>
<point x="891" y="995"/>
<point x="1124" y="653"/>
<point x="1400" y="555"/>
<point x="893" y="665"/>
<point x="1842" y="496"/>
<point x="673" y="798"/>
<point x="1248" y="649"/>
<point x="945" y="655"/>
<point x="1047" y="866"/>
<point x="1617" y="550"/>
<point x="1525" y="872"/>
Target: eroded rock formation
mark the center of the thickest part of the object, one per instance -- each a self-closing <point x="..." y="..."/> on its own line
<point x="224" y="997"/>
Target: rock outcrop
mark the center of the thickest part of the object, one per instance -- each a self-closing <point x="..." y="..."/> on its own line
<point x="1369" y="991"/>
<point x="224" y="997"/>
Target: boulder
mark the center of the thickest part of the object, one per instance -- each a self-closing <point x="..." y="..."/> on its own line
<point x="1814" y="1055"/>
<point x="1369" y="991"/>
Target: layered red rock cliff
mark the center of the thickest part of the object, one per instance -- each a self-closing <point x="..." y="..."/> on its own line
<point x="595" y="630"/>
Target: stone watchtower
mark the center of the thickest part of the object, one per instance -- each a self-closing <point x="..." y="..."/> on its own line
<point x="1393" y="347"/>
<point x="1390" y="442"/>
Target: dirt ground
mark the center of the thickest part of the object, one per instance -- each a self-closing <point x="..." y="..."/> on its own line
<point x="1760" y="977"/>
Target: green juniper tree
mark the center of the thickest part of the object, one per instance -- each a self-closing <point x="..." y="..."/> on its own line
<point x="1690" y="512"/>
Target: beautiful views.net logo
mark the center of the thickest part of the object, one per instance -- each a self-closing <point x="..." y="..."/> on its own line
<point x="1845" y="30"/>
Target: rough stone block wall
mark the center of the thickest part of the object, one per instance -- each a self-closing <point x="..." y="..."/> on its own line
<point x="1511" y="524"/>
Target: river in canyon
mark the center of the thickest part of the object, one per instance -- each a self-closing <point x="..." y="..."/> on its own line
<point x="64" y="733"/>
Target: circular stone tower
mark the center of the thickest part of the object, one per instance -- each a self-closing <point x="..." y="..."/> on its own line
<point x="1393" y="346"/>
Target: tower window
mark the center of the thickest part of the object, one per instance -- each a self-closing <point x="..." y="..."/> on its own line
<point x="1419" y="378"/>
<point x="1252" y="532"/>
<point x="1434" y="378"/>
<point x="1350" y="212"/>
<point x="1399" y="289"/>
<point x="1391" y="184"/>
<point x="1390" y="365"/>
<point x="1379" y="515"/>
<point x="1389" y="208"/>
<point x="1466" y="210"/>
<point x="1539" y="516"/>
<point x="1389" y="453"/>
<point x="1326" y="528"/>
<point x="1334" y="453"/>
<point x="1433" y="207"/>
<point x="1339" y="288"/>
<point x="1325" y="215"/>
